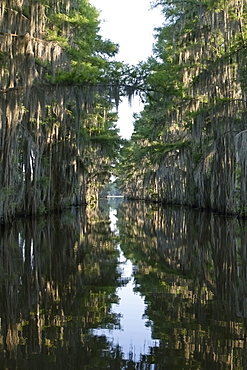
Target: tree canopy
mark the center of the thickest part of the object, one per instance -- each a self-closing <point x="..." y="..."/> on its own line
<point x="194" y="91"/>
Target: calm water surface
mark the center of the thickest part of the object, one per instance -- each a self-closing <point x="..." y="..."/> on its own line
<point x="124" y="286"/>
<point x="133" y="335"/>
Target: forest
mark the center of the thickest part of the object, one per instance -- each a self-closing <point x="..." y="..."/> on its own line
<point x="60" y="87"/>
<point x="189" y="143"/>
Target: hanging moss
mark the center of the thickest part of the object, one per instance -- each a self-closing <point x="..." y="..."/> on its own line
<point x="199" y="97"/>
<point x="46" y="163"/>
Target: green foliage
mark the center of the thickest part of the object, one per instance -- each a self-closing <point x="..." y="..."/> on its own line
<point x="77" y="32"/>
<point x="109" y="140"/>
<point x="191" y="90"/>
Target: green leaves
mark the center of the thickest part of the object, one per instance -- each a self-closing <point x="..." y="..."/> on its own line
<point x="77" y="32"/>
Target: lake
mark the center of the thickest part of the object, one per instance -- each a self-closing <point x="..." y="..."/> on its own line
<point x="126" y="285"/>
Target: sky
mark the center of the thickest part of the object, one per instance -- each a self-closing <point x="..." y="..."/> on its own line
<point x="129" y="23"/>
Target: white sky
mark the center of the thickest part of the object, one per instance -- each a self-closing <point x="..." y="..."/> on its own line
<point x="130" y="24"/>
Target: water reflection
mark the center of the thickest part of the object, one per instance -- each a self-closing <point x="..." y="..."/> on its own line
<point x="192" y="273"/>
<point x="58" y="279"/>
<point x="66" y="283"/>
<point x="133" y="336"/>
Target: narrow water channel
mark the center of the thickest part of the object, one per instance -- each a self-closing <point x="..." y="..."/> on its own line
<point x="124" y="286"/>
<point x="133" y="336"/>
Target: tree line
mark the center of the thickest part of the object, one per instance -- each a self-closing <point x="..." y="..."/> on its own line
<point x="188" y="145"/>
<point x="60" y="88"/>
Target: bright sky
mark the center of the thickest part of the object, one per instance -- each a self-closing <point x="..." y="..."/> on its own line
<point x="129" y="23"/>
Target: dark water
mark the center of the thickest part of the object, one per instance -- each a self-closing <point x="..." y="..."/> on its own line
<point x="137" y="287"/>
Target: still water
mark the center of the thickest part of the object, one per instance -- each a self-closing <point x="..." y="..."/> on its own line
<point x="133" y="335"/>
<point x="124" y="286"/>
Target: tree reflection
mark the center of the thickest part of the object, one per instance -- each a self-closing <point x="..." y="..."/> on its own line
<point x="192" y="273"/>
<point x="59" y="277"/>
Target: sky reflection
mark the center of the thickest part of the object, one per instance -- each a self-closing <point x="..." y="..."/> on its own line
<point x="134" y="337"/>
